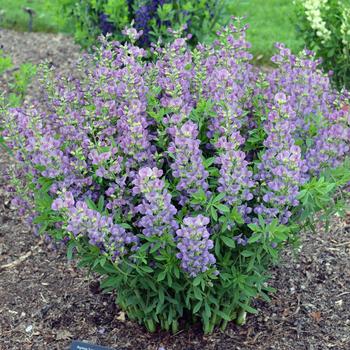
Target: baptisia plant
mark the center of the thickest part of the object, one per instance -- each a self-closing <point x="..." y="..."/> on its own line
<point x="179" y="181"/>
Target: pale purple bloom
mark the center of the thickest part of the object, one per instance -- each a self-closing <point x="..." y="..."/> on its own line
<point x="194" y="244"/>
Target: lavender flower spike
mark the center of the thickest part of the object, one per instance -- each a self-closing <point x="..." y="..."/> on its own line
<point x="156" y="208"/>
<point x="194" y="245"/>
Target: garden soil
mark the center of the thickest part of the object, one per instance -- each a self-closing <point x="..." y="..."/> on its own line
<point x="46" y="302"/>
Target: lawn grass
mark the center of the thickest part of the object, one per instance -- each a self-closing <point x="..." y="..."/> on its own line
<point x="270" y="21"/>
<point x="12" y="16"/>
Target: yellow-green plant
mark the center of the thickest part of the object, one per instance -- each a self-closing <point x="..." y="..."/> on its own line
<point x="18" y="79"/>
<point x="325" y="27"/>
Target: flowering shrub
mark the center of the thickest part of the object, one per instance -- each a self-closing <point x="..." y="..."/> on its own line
<point x="153" y="17"/>
<point x="325" y="27"/>
<point x="180" y="181"/>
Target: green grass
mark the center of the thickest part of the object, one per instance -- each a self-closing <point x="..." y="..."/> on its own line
<point x="12" y="16"/>
<point x="270" y="21"/>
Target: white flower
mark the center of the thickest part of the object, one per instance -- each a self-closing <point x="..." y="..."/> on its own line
<point x="345" y="26"/>
<point x="313" y="12"/>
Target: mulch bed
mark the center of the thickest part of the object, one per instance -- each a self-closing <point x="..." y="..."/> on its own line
<point x="45" y="301"/>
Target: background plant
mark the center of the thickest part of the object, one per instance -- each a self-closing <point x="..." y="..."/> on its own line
<point x="180" y="181"/>
<point x="325" y="28"/>
<point x="153" y="17"/>
<point x="279" y="14"/>
<point x="16" y="81"/>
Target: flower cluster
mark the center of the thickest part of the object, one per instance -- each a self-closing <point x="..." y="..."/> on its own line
<point x="314" y="119"/>
<point x="175" y="75"/>
<point x="325" y="27"/>
<point x="229" y="75"/>
<point x="156" y="208"/>
<point x="282" y="169"/>
<point x="100" y="230"/>
<point x="194" y="245"/>
<point x="235" y="177"/>
<point x="305" y="131"/>
<point x="143" y="16"/>
<point x="105" y="24"/>
<point x="188" y="166"/>
<point x="313" y="11"/>
<point x="345" y="27"/>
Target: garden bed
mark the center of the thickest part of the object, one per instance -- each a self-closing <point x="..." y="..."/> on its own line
<point x="46" y="302"/>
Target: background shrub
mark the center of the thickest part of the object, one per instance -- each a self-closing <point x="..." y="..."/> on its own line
<point x="16" y="80"/>
<point x="92" y="18"/>
<point x="180" y="181"/>
<point x="325" y="28"/>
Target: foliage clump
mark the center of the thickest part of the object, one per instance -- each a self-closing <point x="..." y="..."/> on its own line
<point x="91" y="18"/>
<point x="325" y="28"/>
<point x="181" y="180"/>
<point x="16" y="79"/>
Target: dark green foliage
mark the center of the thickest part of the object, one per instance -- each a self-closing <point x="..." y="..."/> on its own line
<point x="92" y="18"/>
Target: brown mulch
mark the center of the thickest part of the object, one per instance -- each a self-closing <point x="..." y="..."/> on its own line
<point x="45" y="301"/>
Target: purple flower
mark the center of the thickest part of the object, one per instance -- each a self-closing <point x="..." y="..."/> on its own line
<point x="100" y="230"/>
<point x="188" y="166"/>
<point x="282" y="170"/>
<point x="64" y="201"/>
<point x="194" y="245"/>
<point x="157" y="212"/>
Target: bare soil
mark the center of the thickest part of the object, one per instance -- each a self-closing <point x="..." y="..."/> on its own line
<point x="46" y="302"/>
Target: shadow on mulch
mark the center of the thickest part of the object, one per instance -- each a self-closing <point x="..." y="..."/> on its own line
<point x="45" y="302"/>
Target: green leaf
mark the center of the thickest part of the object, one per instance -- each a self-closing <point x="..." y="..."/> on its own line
<point x="127" y="226"/>
<point x="144" y="247"/>
<point x="103" y="261"/>
<point x="223" y="315"/>
<point x="176" y="272"/>
<point x="255" y="238"/>
<point x="100" y="204"/>
<point x="91" y="205"/>
<point x="219" y="197"/>
<point x="228" y="241"/>
<point x="207" y="309"/>
<point x="156" y="247"/>
<point x="223" y="208"/>
<point x="214" y="213"/>
<point x="161" y="276"/>
<point x="236" y="216"/>
<point x="247" y="253"/>
<point x="197" y="293"/>
<point x="254" y="227"/>
<point x="197" y="306"/>
<point x="70" y="248"/>
<point x="146" y="269"/>
<point x="161" y="296"/>
<point x="196" y="282"/>
<point x="170" y="280"/>
<point x="248" y="308"/>
<point x="217" y="248"/>
<point x="209" y="161"/>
